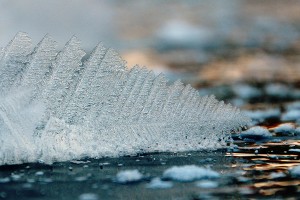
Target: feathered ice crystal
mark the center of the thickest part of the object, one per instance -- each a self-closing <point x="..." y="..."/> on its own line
<point x="55" y="107"/>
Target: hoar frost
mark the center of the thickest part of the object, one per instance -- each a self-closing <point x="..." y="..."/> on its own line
<point x="55" y="106"/>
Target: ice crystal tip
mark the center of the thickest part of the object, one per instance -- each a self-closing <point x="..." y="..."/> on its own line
<point x="55" y="107"/>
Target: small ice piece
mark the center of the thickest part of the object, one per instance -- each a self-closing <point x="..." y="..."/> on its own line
<point x="297" y="131"/>
<point x="207" y="184"/>
<point x="4" y="180"/>
<point x="277" y="90"/>
<point x="129" y="176"/>
<point x="285" y="129"/>
<point x="275" y="175"/>
<point x="16" y="177"/>
<point x="81" y="178"/>
<point x="88" y="196"/>
<point x="292" y="115"/>
<point x="245" y="91"/>
<point x="189" y="173"/>
<point x="293" y="106"/>
<point x="27" y="185"/>
<point x="182" y="33"/>
<point x="295" y="171"/>
<point x="157" y="183"/>
<point x="256" y="132"/>
<point x="39" y="173"/>
<point x="261" y="115"/>
<point x="294" y="150"/>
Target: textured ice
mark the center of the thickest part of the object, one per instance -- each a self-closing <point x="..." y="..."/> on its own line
<point x="63" y="105"/>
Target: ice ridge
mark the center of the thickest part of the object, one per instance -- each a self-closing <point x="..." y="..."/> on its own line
<point x="63" y="105"/>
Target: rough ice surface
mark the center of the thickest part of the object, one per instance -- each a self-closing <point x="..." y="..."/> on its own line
<point x="128" y="176"/>
<point x="63" y="105"/>
<point x="189" y="173"/>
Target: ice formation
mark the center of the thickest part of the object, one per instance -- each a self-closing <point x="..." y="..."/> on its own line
<point x="63" y="105"/>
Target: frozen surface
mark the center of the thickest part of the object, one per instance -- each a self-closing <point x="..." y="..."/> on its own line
<point x="58" y="106"/>
<point x="189" y="173"/>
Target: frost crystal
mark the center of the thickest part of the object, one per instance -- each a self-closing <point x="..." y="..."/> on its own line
<point x="57" y="106"/>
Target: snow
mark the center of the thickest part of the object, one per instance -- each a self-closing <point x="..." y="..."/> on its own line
<point x="256" y="132"/>
<point x="295" y="171"/>
<point x="189" y="173"/>
<point x="129" y="176"/>
<point x="292" y="115"/>
<point x="157" y="183"/>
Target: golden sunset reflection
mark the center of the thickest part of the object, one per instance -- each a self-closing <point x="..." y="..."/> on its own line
<point x="267" y="165"/>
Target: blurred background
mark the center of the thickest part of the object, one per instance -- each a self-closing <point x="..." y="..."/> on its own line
<point x="240" y="50"/>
